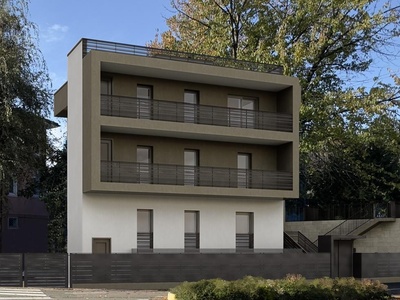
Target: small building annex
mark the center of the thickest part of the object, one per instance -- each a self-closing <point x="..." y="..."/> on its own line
<point x="173" y="152"/>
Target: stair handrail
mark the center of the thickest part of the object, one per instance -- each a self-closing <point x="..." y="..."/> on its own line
<point x="358" y="216"/>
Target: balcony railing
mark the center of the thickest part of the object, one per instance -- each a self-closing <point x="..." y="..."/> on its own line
<point x="89" y="45"/>
<point x="128" y="172"/>
<point x="132" y="107"/>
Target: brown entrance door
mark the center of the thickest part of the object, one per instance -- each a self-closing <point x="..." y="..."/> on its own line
<point x="101" y="245"/>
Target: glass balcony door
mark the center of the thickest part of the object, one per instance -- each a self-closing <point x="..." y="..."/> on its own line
<point x="144" y="158"/>
<point x="144" y="95"/>
<point x="191" y="161"/>
<point x="243" y="174"/>
<point x="242" y="112"/>
<point x="191" y="100"/>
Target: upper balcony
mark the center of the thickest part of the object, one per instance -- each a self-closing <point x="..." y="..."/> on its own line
<point x="138" y="108"/>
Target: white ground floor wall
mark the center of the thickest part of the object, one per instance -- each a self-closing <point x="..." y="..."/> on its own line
<point x="384" y="238"/>
<point x="114" y="216"/>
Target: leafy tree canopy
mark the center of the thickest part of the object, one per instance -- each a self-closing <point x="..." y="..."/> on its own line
<point x="346" y="122"/>
<point x="25" y="98"/>
<point x="25" y="94"/>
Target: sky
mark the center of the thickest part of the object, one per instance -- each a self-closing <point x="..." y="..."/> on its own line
<point x="62" y="23"/>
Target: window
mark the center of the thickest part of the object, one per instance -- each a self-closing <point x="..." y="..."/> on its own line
<point x="192" y="233"/>
<point x="243" y="173"/>
<point x="191" y="100"/>
<point x="244" y="231"/>
<point x="107" y="105"/>
<point x="144" y="94"/>
<point x="13" y="188"/>
<point x="144" y="229"/>
<point x="13" y="223"/>
<point x="144" y="159"/>
<point x="242" y="112"/>
<point x="106" y="86"/>
<point x="191" y="160"/>
<point x="106" y="158"/>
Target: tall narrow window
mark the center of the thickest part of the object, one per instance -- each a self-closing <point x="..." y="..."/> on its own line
<point x="243" y="172"/>
<point x="244" y="231"/>
<point x="144" y="229"/>
<point x="191" y="100"/>
<point x="106" y="158"/>
<point x="144" y="94"/>
<point x="144" y="159"/>
<point x="107" y="105"/>
<point x="242" y="111"/>
<point x="192" y="232"/>
<point x="191" y="158"/>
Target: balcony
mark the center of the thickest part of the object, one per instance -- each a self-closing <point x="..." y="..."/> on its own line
<point x="128" y="172"/>
<point x="132" y="107"/>
<point x="89" y="44"/>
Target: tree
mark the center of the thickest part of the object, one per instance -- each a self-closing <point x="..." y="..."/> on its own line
<point x="329" y="46"/>
<point x="25" y="98"/>
<point x="54" y="185"/>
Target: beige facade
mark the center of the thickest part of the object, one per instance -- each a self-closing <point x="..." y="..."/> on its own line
<point x="118" y="101"/>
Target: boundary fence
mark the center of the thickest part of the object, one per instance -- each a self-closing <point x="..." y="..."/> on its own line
<point x="74" y="270"/>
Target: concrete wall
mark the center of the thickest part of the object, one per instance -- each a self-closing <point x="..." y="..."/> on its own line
<point x="384" y="238"/>
<point x="115" y="216"/>
<point x="74" y="131"/>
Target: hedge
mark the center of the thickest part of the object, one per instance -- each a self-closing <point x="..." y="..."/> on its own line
<point x="293" y="287"/>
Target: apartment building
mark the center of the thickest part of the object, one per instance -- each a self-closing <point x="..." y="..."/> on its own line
<point x="174" y="152"/>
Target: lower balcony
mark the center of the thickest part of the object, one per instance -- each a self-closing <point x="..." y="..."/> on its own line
<point x="129" y="172"/>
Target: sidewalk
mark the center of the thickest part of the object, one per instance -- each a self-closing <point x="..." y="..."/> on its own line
<point x="59" y="293"/>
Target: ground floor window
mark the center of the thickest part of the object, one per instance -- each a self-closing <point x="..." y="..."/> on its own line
<point x="144" y="229"/>
<point x="192" y="232"/>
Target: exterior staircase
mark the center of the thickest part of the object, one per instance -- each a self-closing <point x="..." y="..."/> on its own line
<point x="356" y="226"/>
<point x="297" y="240"/>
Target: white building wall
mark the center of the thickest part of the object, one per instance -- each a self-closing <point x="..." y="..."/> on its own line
<point x="74" y="131"/>
<point x="114" y="216"/>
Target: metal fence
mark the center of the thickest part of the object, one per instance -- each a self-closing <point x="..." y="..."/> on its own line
<point x="51" y="270"/>
<point x="156" y="267"/>
<point x="34" y="269"/>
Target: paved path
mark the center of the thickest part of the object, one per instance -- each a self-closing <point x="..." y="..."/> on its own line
<point x="21" y="294"/>
<point x="59" y="293"/>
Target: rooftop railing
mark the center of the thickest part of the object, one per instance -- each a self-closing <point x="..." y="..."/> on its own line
<point x="130" y="172"/>
<point x="89" y="44"/>
<point x="132" y="107"/>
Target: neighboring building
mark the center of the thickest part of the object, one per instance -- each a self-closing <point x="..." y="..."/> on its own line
<point x="25" y="223"/>
<point x="171" y="152"/>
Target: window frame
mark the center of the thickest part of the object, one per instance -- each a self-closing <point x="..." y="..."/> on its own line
<point x="16" y="221"/>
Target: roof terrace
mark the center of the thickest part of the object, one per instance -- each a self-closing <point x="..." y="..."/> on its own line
<point x="90" y="44"/>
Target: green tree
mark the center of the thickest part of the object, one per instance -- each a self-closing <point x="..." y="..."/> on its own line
<point x="329" y="46"/>
<point x="25" y="98"/>
<point x="54" y="186"/>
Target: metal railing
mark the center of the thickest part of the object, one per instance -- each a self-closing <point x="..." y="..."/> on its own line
<point x="244" y="241"/>
<point x="192" y="241"/>
<point x="295" y="239"/>
<point x="130" y="172"/>
<point x="132" y="107"/>
<point x="290" y="243"/>
<point x="89" y="44"/>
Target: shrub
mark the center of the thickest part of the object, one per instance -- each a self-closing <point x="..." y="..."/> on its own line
<point x="293" y="287"/>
